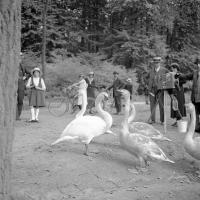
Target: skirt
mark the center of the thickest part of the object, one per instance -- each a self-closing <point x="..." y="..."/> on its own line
<point x="36" y="98"/>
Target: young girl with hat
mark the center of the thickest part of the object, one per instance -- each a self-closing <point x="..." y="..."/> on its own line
<point x="36" y="98"/>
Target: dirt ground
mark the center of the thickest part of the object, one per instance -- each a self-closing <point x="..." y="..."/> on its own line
<point x="62" y="172"/>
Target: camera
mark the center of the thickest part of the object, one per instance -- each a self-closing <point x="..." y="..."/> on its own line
<point x="166" y="81"/>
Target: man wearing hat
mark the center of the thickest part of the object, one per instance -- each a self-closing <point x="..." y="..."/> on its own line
<point x="155" y="94"/>
<point x="23" y="75"/>
<point x="117" y="84"/>
<point x="195" y="96"/>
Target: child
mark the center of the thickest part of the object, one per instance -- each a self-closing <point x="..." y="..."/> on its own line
<point x="36" y="97"/>
<point x="82" y="87"/>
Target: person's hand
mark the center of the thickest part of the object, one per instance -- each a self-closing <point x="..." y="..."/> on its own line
<point x="38" y="88"/>
<point x="24" y="77"/>
<point x="69" y="87"/>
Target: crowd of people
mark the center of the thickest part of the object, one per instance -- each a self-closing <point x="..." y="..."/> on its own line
<point x="34" y="83"/>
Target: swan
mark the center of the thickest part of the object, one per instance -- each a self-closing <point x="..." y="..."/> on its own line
<point x="84" y="128"/>
<point x="142" y="147"/>
<point x="144" y="128"/>
<point x="192" y="144"/>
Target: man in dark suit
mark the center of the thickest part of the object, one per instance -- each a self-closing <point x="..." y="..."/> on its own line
<point x="156" y="95"/>
<point x="117" y="84"/>
<point x="23" y="75"/>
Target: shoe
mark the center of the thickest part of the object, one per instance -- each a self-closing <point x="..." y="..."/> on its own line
<point x="174" y="124"/>
<point x="117" y="113"/>
<point x="36" y="120"/>
<point x="18" y="119"/>
<point x="161" y="123"/>
<point x="151" y="122"/>
<point x="197" y="130"/>
<point x="31" y="120"/>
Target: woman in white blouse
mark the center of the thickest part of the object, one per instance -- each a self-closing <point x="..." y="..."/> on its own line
<point x="36" y="97"/>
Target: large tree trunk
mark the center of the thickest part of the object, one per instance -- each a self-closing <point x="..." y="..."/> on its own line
<point x="10" y="28"/>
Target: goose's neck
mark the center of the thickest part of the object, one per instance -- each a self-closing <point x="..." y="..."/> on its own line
<point x="125" y="129"/>
<point x="103" y="114"/>
<point x="84" y="104"/>
<point x="132" y="114"/>
<point x="192" y="124"/>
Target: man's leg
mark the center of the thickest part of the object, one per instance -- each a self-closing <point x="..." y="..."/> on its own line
<point x="152" y="107"/>
<point x="161" y="105"/>
<point x="197" y="126"/>
<point x="117" y="104"/>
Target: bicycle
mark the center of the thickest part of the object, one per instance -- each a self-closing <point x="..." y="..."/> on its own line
<point x="58" y="106"/>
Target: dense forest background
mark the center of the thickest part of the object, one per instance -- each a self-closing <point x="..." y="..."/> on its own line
<point x="126" y="32"/>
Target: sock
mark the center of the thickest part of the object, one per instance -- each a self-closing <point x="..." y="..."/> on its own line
<point x="32" y="113"/>
<point x="37" y="113"/>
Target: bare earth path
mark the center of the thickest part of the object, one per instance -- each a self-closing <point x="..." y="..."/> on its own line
<point x="63" y="172"/>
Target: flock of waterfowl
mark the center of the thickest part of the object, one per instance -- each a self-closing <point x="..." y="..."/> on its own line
<point x="137" y="138"/>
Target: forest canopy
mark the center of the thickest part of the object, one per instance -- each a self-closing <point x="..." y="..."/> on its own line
<point x="127" y="32"/>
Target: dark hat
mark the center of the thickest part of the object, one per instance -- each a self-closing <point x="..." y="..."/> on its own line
<point x="197" y="61"/>
<point x="176" y="66"/>
<point x="115" y="72"/>
<point x="157" y="59"/>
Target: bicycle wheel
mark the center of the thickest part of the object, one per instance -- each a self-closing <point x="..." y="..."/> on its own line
<point x="58" y="106"/>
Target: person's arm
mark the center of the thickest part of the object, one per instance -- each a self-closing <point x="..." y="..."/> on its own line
<point x="108" y="88"/>
<point x="28" y="85"/>
<point x="43" y="88"/>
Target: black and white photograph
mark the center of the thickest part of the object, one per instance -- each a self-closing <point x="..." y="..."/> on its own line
<point x="99" y="99"/>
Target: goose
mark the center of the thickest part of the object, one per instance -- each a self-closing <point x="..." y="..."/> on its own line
<point x="84" y="128"/>
<point x="142" y="147"/>
<point x="192" y="144"/>
<point x="144" y="128"/>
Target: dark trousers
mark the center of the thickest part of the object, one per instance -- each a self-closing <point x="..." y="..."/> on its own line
<point x="197" y="109"/>
<point x="154" y="100"/>
<point x="20" y="98"/>
<point x="117" y="103"/>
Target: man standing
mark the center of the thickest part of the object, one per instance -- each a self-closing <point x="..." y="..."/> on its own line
<point x="117" y="84"/>
<point x="22" y="77"/>
<point x="195" y="96"/>
<point x="156" y="95"/>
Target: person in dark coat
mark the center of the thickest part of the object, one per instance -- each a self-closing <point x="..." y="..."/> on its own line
<point x="156" y="95"/>
<point x="177" y="94"/>
<point x="91" y="91"/>
<point x="195" y="96"/>
<point x="23" y="76"/>
<point x="129" y="86"/>
<point x="117" y="84"/>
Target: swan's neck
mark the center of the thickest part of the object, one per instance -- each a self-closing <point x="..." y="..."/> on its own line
<point x="132" y="114"/>
<point x="103" y="114"/>
<point x="192" y="124"/>
<point x="125" y="129"/>
<point x="84" y="104"/>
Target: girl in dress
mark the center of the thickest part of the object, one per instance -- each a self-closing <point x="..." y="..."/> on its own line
<point x="36" y="98"/>
<point x="82" y="87"/>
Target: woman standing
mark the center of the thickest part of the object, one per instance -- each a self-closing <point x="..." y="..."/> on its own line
<point x="91" y="91"/>
<point x="36" y="98"/>
<point x="177" y="95"/>
<point x="82" y="86"/>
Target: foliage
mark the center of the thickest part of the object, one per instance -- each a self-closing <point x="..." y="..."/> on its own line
<point x="128" y="32"/>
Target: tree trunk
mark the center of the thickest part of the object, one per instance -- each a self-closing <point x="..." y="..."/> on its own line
<point x="10" y="28"/>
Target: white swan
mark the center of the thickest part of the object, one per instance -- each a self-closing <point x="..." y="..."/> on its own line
<point x="192" y="144"/>
<point x="142" y="147"/>
<point x="144" y="128"/>
<point x="84" y="128"/>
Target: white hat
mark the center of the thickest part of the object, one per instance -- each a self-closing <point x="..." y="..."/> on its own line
<point x="36" y="69"/>
<point x="91" y="73"/>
